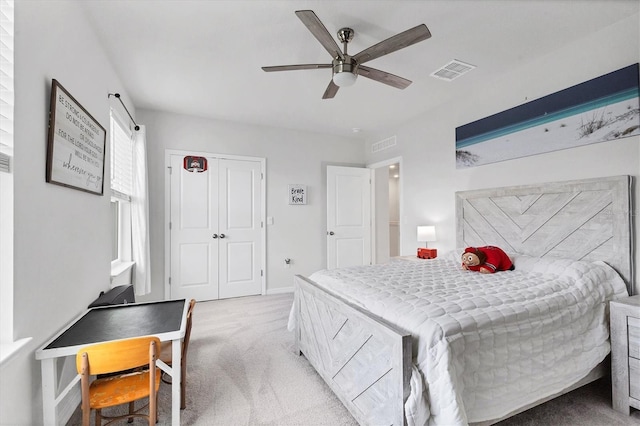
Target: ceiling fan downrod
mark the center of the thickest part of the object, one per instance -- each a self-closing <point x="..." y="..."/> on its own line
<point x="345" y="35"/>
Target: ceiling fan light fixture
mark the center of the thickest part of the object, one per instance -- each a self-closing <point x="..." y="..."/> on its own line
<point x="344" y="71"/>
<point x="344" y="79"/>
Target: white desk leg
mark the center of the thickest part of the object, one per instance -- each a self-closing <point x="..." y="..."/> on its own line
<point x="48" y="368"/>
<point x="176" y="371"/>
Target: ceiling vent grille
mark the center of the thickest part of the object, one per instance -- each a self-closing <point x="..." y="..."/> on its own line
<point x="452" y="70"/>
<point x="5" y="163"/>
<point x="383" y="144"/>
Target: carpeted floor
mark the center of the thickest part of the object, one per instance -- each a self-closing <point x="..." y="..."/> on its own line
<point x="242" y="371"/>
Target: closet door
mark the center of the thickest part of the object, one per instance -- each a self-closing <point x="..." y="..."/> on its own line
<point x="239" y="208"/>
<point x="215" y="229"/>
<point x="193" y="231"/>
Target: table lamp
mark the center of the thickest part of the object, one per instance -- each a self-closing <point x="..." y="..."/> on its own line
<point x="426" y="234"/>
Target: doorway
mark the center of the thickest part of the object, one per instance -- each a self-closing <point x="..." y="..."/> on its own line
<point x="386" y="209"/>
<point x="394" y="210"/>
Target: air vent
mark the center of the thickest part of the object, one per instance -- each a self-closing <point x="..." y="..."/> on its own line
<point x="452" y="70"/>
<point x="5" y="163"/>
<point x="383" y="144"/>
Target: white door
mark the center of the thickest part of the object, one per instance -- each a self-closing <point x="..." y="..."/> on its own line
<point x="193" y="224"/>
<point x="348" y="216"/>
<point x="215" y="229"/>
<point x="240" y="228"/>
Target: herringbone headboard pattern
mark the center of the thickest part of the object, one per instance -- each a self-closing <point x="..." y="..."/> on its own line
<point x="584" y="220"/>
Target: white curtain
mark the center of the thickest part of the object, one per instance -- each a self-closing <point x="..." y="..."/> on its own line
<point x="140" y="215"/>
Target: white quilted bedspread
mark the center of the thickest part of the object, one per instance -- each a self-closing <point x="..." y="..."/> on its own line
<point x="485" y="345"/>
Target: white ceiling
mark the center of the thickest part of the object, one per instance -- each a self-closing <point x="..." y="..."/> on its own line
<point x="204" y="58"/>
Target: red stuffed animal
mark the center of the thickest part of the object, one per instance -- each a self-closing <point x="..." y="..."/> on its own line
<point x="487" y="260"/>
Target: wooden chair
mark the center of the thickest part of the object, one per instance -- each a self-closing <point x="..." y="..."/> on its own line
<point x="121" y="388"/>
<point x="165" y="355"/>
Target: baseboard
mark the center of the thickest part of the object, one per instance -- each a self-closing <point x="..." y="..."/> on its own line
<point x="280" y="290"/>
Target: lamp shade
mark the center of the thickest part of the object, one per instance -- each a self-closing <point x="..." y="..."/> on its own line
<point x="426" y="233"/>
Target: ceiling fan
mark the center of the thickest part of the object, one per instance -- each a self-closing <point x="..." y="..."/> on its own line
<point x="346" y="68"/>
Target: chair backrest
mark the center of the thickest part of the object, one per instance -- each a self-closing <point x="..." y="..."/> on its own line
<point x="119" y="355"/>
<point x="187" y="333"/>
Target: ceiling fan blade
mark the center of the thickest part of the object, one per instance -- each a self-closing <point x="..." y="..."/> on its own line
<point x="384" y="77"/>
<point x="296" y="67"/>
<point x="331" y="91"/>
<point x="317" y="28"/>
<point x="397" y="42"/>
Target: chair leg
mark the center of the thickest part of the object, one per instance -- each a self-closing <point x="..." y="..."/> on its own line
<point x="183" y="397"/>
<point x="153" y="411"/>
<point x="86" y="417"/>
<point x="98" y="417"/>
<point x="132" y="410"/>
<point x="183" y="384"/>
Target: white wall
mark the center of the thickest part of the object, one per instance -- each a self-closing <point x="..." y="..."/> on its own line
<point x="427" y="143"/>
<point x="292" y="157"/>
<point x="62" y="239"/>
<point x="61" y="236"/>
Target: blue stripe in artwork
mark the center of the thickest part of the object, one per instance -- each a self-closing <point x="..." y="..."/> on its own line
<point x="547" y="118"/>
<point x="581" y="94"/>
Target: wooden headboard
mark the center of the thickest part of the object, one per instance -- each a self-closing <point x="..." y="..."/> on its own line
<point x="582" y="219"/>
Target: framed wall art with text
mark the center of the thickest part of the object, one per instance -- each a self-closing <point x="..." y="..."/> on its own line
<point x="76" y="144"/>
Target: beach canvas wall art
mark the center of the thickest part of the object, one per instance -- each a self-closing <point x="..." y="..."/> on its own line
<point x="598" y="110"/>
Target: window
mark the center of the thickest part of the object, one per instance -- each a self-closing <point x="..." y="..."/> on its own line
<point x="6" y="175"/>
<point x="129" y="208"/>
<point x="8" y="346"/>
<point x="121" y="190"/>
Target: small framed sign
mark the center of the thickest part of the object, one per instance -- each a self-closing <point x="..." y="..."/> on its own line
<point x="297" y="194"/>
<point x="76" y="144"/>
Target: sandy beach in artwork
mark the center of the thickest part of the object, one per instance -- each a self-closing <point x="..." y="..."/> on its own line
<point x="614" y="121"/>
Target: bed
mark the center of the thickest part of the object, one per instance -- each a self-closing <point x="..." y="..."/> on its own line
<point x="424" y="342"/>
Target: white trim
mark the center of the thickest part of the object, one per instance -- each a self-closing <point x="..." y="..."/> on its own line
<point x="9" y="350"/>
<point x="119" y="267"/>
<point x="167" y="221"/>
<point x="280" y="290"/>
<point x="167" y="210"/>
<point x="124" y="232"/>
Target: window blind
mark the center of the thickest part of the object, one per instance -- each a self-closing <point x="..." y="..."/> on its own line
<point x="6" y="84"/>
<point x="121" y="159"/>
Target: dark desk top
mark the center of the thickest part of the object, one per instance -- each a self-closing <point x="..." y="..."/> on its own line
<point x="122" y="322"/>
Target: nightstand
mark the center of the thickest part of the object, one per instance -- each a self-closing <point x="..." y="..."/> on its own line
<point x="625" y="353"/>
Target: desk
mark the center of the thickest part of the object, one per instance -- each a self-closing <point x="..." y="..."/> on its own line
<point x="166" y="320"/>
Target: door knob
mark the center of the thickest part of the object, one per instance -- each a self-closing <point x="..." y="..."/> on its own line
<point x="221" y="235"/>
<point x="331" y="233"/>
<point x="214" y="236"/>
